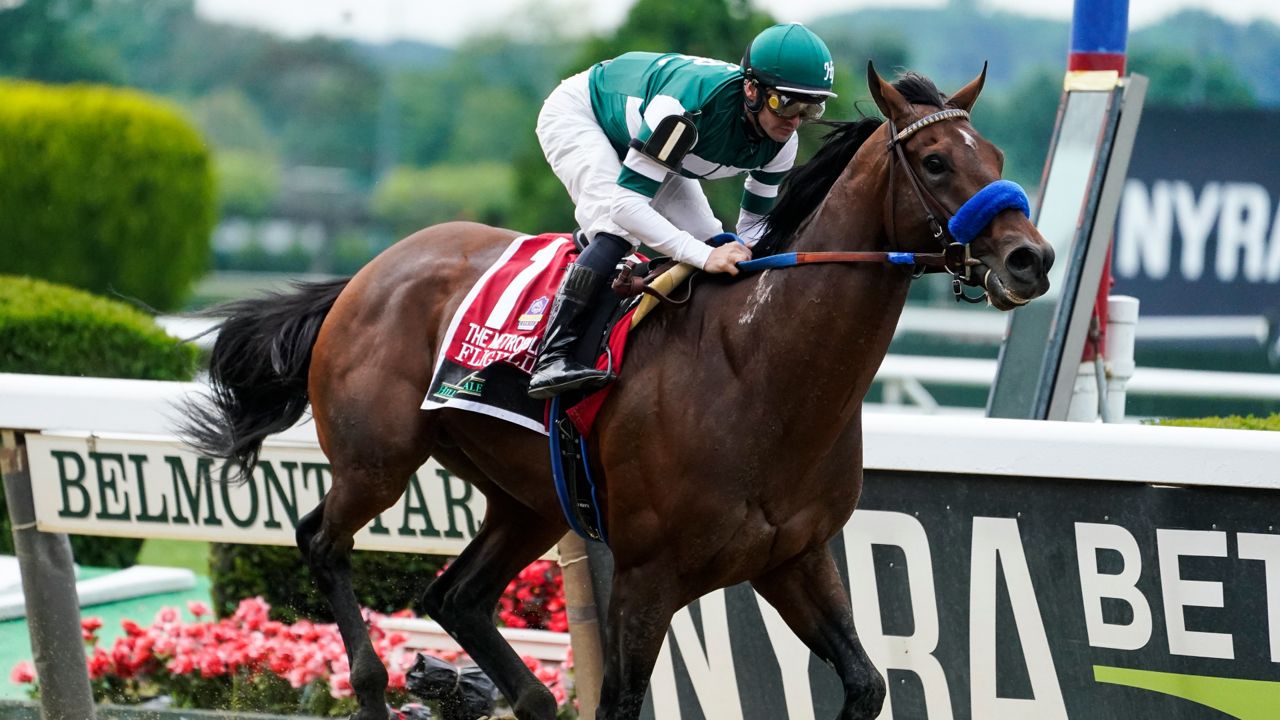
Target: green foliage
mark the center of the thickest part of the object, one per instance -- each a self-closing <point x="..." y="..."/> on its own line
<point x="52" y="330"/>
<point x="102" y="552"/>
<point x="1231" y="422"/>
<point x="408" y="199"/>
<point x="320" y="100"/>
<point x="719" y="30"/>
<point x="103" y="189"/>
<point x="479" y="106"/>
<point x="230" y="121"/>
<point x="1250" y="52"/>
<point x="1181" y="78"/>
<point x="385" y="582"/>
<point x="44" y="40"/>
<point x="948" y="44"/>
<point x="248" y="183"/>
<point x="1021" y="122"/>
<point x="544" y="203"/>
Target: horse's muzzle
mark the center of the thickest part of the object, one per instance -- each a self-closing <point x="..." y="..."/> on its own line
<point x="1022" y="276"/>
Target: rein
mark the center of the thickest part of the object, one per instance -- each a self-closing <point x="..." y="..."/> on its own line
<point x="955" y="235"/>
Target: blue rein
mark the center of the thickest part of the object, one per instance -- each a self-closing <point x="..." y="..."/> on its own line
<point x="968" y="222"/>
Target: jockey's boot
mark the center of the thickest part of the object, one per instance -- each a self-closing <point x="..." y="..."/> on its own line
<point x="556" y="370"/>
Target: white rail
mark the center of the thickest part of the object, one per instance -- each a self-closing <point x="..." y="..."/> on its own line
<point x="971" y="446"/>
<point x="903" y="376"/>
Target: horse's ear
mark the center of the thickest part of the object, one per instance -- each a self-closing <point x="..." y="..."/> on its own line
<point x="966" y="96"/>
<point x="891" y="102"/>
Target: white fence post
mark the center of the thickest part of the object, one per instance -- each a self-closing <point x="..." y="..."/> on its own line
<point x="1122" y="327"/>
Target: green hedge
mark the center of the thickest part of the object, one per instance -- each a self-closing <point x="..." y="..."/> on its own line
<point x="1231" y="422"/>
<point x="103" y="189"/>
<point x="49" y="329"/>
<point x="53" y="330"/>
<point x="385" y="582"/>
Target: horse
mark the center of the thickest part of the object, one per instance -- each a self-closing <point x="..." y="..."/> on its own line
<point x="729" y="451"/>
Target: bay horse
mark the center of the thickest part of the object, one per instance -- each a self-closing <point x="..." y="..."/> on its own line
<point x="729" y="451"/>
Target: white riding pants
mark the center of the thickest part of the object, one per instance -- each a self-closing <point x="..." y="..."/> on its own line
<point x="581" y="156"/>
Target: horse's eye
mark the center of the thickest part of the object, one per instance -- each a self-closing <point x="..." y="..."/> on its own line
<point x="935" y="165"/>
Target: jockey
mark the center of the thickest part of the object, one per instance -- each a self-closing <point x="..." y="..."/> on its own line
<point x="631" y="137"/>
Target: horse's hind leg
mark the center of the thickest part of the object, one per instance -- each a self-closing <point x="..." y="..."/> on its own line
<point x="808" y="594"/>
<point x="463" y="599"/>
<point x="325" y="537"/>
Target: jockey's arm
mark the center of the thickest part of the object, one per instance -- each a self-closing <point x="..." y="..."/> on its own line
<point x="761" y="190"/>
<point x="633" y="213"/>
<point x="632" y="210"/>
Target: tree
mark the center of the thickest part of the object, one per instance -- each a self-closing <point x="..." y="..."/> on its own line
<point x="714" y="28"/>
<point x="320" y="99"/>
<point x="1180" y="78"/>
<point x="42" y="40"/>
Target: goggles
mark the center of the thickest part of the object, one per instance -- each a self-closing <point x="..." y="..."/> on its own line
<point x="807" y="107"/>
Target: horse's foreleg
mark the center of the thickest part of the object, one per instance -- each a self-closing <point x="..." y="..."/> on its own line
<point x="809" y="595"/>
<point x="462" y="600"/>
<point x="641" y="604"/>
<point x="325" y="537"/>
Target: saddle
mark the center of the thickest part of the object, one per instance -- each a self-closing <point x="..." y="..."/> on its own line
<point x="491" y="344"/>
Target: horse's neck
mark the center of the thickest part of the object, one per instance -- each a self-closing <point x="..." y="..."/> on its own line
<point x="840" y="318"/>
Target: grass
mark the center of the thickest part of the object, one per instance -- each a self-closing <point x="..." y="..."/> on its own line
<point x="193" y="555"/>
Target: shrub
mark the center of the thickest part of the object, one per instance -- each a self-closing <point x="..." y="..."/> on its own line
<point x="103" y="189"/>
<point x="53" y="330"/>
<point x="384" y="582"/>
<point x="1231" y="422"/>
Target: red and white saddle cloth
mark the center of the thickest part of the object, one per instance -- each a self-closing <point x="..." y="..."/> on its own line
<point x="494" y="336"/>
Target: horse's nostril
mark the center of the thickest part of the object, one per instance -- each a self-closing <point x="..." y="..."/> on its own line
<point x="1028" y="263"/>
<point x="1023" y="262"/>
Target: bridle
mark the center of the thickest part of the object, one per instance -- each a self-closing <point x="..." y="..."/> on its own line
<point x="955" y="258"/>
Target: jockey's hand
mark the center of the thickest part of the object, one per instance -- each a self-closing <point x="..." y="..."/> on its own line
<point x="725" y="258"/>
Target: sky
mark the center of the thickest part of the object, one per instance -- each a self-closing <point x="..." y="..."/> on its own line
<point x="447" y="21"/>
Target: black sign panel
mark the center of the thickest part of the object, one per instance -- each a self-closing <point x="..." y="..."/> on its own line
<point x="1197" y="232"/>
<point x="1005" y="598"/>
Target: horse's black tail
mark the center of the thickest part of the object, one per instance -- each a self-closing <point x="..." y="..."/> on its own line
<point x="258" y="372"/>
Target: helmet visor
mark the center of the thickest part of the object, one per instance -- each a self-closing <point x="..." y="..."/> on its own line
<point x="785" y="105"/>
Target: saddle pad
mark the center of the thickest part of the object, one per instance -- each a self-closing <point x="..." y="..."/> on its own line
<point x="492" y="341"/>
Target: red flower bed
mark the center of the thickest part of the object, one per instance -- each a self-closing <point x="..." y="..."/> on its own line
<point x="248" y="661"/>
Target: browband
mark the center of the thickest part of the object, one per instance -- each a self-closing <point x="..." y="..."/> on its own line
<point x="928" y="120"/>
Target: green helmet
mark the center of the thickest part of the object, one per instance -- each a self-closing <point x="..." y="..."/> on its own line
<point x="789" y="57"/>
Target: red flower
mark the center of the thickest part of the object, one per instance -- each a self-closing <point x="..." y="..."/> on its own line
<point x="211" y="665"/>
<point x="100" y="664"/>
<point x="22" y="673"/>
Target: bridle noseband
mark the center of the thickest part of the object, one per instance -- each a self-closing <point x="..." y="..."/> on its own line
<point x="957" y="258"/>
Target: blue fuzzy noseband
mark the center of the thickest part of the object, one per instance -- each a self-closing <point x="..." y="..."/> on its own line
<point x="978" y="211"/>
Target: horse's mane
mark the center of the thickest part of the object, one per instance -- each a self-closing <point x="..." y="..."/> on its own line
<point x="919" y="90"/>
<point x="805" y="186"/>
